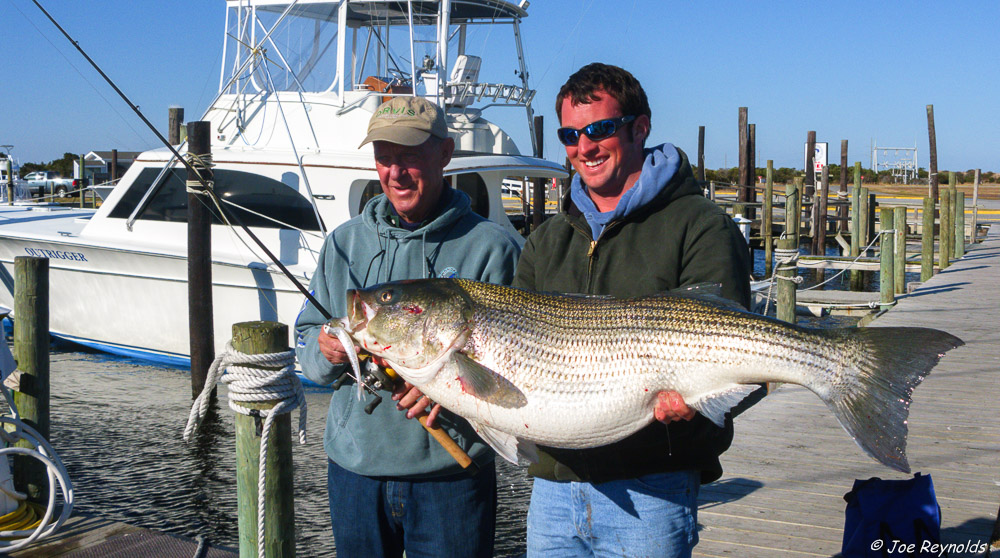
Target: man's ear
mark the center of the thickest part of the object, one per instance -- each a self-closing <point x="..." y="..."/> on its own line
<point x="641" y="128"/>
<point x="447" y="150"/>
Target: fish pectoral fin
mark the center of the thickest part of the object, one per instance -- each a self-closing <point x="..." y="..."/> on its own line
<point x="507" y="445"/>
<point x="485" y="384"/>
<point x="716" y="404"/>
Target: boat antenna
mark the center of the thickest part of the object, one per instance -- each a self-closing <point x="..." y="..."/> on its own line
<point x="190" y="168"/>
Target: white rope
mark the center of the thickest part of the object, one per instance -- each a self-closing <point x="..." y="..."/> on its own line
<point x="278" y="383"/>
<point x="789" y="257"/>
<point x="199" y="163"/>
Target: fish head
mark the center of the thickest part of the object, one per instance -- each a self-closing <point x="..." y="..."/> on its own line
<point x="412" y="324"/>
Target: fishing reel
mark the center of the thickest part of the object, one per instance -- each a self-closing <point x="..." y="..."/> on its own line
<point x="374" y="378"/>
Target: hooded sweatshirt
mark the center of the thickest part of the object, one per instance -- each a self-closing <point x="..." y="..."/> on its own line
<point x="369" y="250"/>
<point x="663" y="235"/>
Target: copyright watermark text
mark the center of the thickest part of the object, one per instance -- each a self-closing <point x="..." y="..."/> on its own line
<point x="893" y="546"/>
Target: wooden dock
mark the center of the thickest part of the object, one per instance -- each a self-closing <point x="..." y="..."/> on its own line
<point x="791" y="463"/>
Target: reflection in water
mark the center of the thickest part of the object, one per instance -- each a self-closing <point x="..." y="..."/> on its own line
<point x="117" y="424"/>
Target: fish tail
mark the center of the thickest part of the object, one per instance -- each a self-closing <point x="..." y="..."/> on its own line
<point x="872" y="399"/>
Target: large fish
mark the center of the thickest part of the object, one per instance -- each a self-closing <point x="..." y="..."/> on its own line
<point x="574" y="371"/>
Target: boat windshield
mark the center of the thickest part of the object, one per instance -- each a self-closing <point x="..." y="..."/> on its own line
<point x="366" y="45"/>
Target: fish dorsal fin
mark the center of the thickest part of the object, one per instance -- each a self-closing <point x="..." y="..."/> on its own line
<point x="716" y="404"/>
<point x="709" y="293"/>
<point x="507" y="445"/>
<point x="485" y="384"/>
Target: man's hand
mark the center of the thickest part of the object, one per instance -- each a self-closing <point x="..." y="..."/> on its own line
<point x="410" y="398"/>
<point x="332" y="348"/>
<point x="670" y="406"/>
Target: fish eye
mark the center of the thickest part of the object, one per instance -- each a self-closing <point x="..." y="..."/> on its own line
<point x="385" y="296"/>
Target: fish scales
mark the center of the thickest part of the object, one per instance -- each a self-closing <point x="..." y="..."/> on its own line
<point x="575" y="371"/>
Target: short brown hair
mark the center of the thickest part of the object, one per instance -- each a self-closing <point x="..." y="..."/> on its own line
<point x="618" y="83"/>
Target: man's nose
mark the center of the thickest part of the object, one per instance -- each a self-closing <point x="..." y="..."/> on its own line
<point x="586" y="145"/>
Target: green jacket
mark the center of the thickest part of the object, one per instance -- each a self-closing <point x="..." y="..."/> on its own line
<point x="679" y="238"/>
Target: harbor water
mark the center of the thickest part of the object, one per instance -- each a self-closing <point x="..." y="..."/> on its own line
<point x="117" y="424"/>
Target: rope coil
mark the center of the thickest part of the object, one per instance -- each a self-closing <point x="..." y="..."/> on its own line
<point x="200" y="164"/>
<point x="278" y="382"/>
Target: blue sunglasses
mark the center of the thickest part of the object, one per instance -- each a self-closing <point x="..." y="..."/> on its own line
<point x="595" y="130"/>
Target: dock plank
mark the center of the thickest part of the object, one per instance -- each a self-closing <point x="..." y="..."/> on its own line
<point x="791" y="463"/>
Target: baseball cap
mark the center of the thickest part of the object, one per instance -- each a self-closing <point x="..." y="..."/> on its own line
<point x="406" y="120"/>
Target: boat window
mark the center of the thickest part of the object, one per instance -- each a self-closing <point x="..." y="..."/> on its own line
<point x="372" y="189"/>
<point x="473" y="185"/>
<point x="256" y="193"/>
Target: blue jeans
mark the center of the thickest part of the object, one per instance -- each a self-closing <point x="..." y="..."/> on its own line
<point x="651" y="516"/>
<point x="378" y="517"/>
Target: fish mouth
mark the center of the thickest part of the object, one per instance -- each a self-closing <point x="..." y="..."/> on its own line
<point x="358" y="312"/>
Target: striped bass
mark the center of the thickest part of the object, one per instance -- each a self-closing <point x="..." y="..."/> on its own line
<point x="574" y="371"/>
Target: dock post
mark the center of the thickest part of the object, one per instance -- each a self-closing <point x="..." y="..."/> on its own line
<point x="865" y="219"/>
<point x="538" y="213"/>
<point x="10" y="182"/>
<point x="857" y="278"/>
<point x="793" y="208"/>
<point x="932" y="174"/>
<point x="767" y="220"/>
<point x="959" y="225"/>
<point x="199" y="249"/>
<point x="973" y="238"/>
<point x="819" y="213"/>
<point x="899" y="266"/>
<point x="953" y="194"/>
<point x="83" y="187"/>
<point x="743" y="176"/>
<point x="31" y="350"/>
<point x="279" y="521"/>
<point x="842" y="192"/>
<point x="701" y="155"/>
<point x="946" y="230"/>
<point x="175" y="115"/>
<point x="786" y="287"/>
<point x="886" y="276"/>
<point x="927" y="240"/>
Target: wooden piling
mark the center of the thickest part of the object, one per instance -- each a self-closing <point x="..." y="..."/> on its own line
<point x="810" y="183"/>
<point x="114" y="166"/>
<point x="864" y="220"/>
<point x="31" y="351"/>
<point x="743" y="193"/>
<point x="953" y="198"/>
<point x="927" y="241"/>
<point x="819" y="213"/>
<point x="793" y="208"/>
<point x="199" y="252"/>
<point x="767" y="220"/>
<point x="83" y="183"/>
<point x="944" y="244"/>
<point x="857" y="277"/>
<point x="899" y="265"/>
<point x="175" y="115"/>
<point x="842" y="193"/>
<point x="10" y="182"/>
<point x="786" y="288"/>
<point x="886" y="276"/>
<point x="279" y="519"/>
<point x="960" y="226"/>
<point x="932" y="175"/>
<point x="752" y="164"/>
<point x="701" y="155"/>
<point x="975" y="208"/>
<point x="538" y="213"/>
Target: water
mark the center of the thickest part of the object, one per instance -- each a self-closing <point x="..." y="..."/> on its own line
<point x="117" y="424"/>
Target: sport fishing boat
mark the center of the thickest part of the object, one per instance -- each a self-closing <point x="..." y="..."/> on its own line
<point x="300" y="81"/>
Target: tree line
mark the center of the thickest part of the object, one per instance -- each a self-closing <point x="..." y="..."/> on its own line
<point x="63" y="166"/>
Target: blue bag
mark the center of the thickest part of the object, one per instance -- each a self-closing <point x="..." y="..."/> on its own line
<point x="899" y="518"/>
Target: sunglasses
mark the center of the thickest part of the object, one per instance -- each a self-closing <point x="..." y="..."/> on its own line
<point x="595" y="130"/>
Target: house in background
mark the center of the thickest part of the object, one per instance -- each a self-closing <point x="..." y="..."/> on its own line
<point x="97" y="165"/>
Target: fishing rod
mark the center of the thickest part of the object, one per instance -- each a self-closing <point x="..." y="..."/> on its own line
<point x="190" y="168"/>
<point x="439" y="434"/>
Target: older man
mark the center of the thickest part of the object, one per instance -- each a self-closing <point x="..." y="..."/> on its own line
<point x="635" y="223"/>
<point x="391" y="486"/>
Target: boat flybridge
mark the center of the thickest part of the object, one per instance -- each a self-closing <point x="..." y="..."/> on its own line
<point x="300" y="81"/>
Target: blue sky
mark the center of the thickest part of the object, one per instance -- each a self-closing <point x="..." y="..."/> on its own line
<point x="848" y="70"/>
